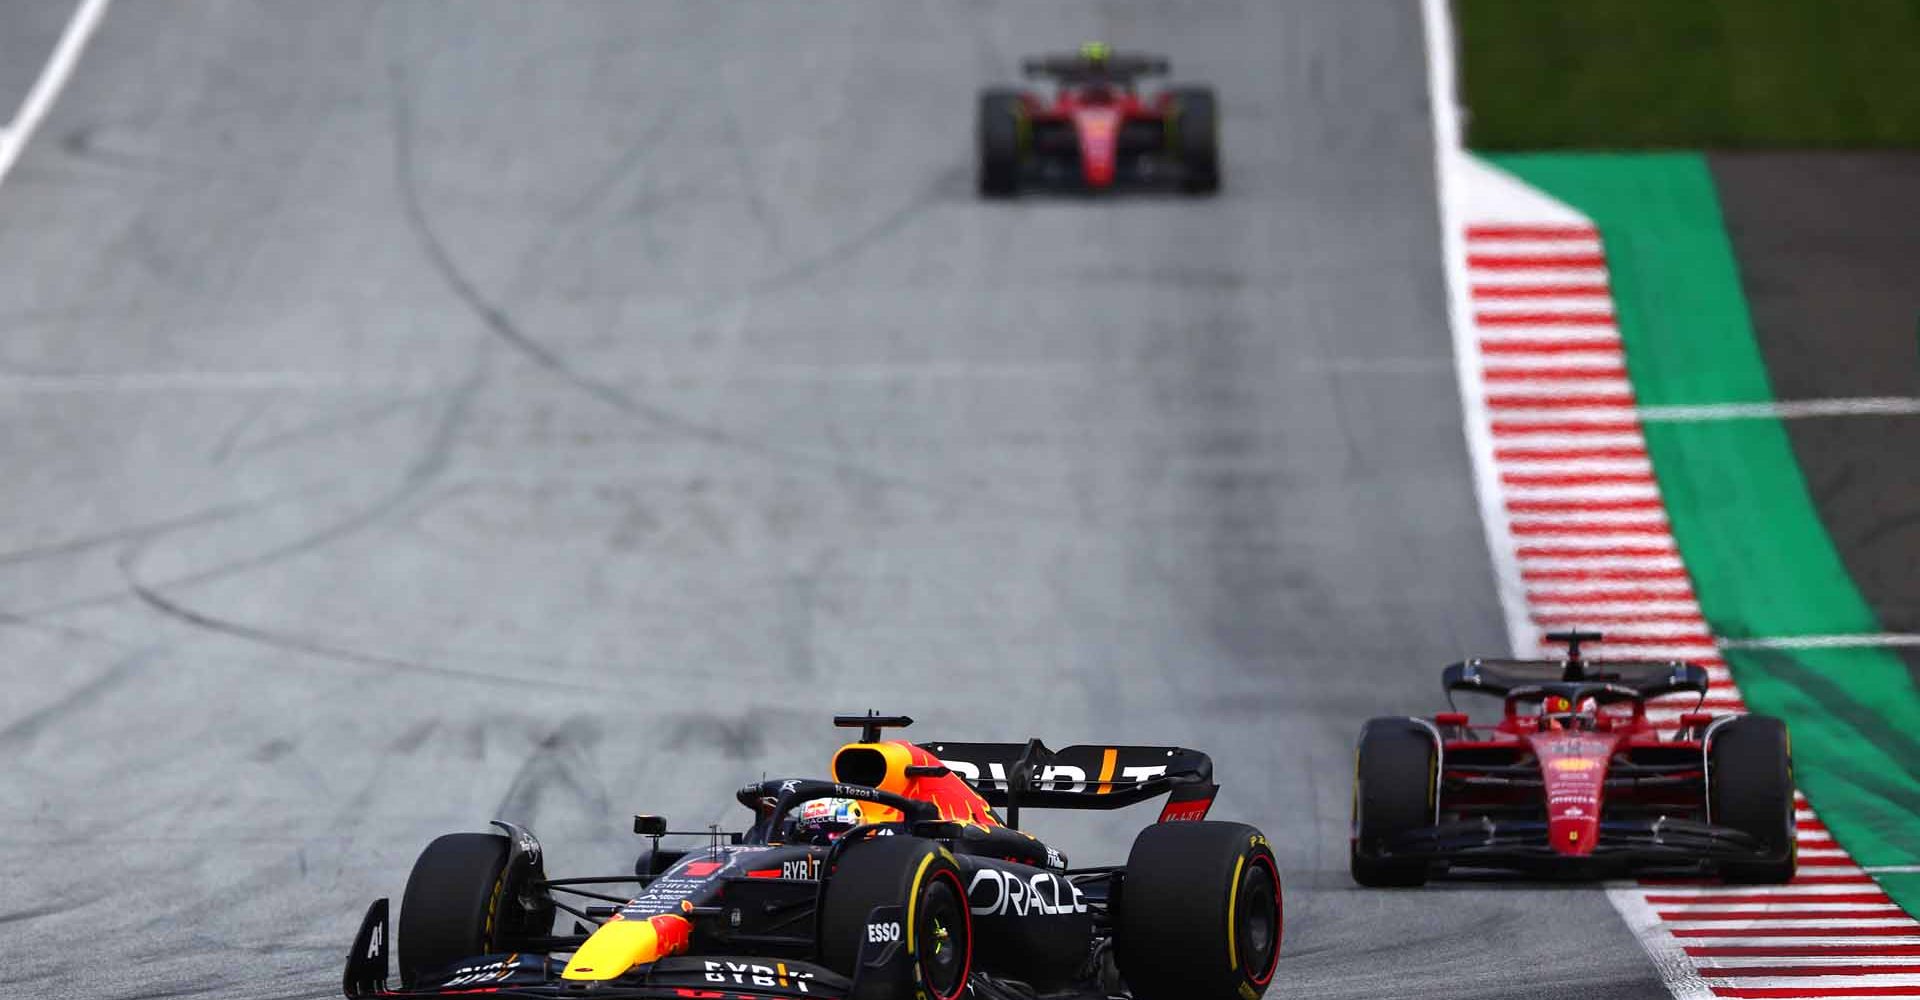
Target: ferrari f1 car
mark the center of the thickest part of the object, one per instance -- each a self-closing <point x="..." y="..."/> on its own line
<point x="1574" y="779"/>
<point x="897" y="879"/>
<point x="1096" y="131"/>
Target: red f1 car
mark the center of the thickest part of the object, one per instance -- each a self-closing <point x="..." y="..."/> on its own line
<point x="1097" y="132"/>
<point x="1574" y="779"/>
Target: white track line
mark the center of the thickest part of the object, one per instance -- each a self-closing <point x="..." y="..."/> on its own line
<point x="66" y="54"/>
<point x="1866" y="406"/>
<point x="1858" y="640"/>
<point x="1676" y="968"/>
<point x="215" y="381"/>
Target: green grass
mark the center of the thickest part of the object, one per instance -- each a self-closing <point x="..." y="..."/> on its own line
<point x="1687" y="74"/>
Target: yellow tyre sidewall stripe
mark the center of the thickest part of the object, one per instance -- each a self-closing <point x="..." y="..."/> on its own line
<point x="1233" y="909"/>
<point x="913" y="902"/>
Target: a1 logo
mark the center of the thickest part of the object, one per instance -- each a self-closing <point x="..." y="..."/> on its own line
<point x="883" y="933"/>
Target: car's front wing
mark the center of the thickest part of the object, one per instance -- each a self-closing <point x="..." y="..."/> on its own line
<point x="538" y="976"/>
<point x="1622" y="844"/>
<point x="702" y="977"/>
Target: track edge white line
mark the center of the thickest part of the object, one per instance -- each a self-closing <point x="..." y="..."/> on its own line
<point x="1477" y="424"/>
<point x="51" y="81"/>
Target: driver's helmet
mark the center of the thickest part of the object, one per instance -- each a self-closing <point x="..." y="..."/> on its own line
<point x="823" y="821"/>
<point x="1095" y="53"/>
<point x="1557" y="712"/>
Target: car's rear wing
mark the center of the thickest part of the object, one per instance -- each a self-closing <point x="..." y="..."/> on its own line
<point x="1119" y="67"/>
<point x="1017" y="775"/>
<point x="1644" y="679"/>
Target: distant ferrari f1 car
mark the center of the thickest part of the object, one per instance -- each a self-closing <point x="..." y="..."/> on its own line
<point x="896" y="880"/>
<point x="1573" y="779"/>
<point x="1096" y="131"/>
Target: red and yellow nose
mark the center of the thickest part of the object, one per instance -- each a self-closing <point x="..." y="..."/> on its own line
<point x="620" y="945"/>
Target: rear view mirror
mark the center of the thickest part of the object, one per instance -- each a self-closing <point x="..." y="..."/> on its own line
<point x="650" y="826"/>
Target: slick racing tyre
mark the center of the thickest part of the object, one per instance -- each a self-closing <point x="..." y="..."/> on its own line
<point x="1750" y="784"/>
<point x="1394" y="785"/>
<point x="1000" y="114"/>
<point x="1200" y="914"/>
<point x="935" y="930"/>
<point x="453" y="903"/>
<point x="1195" y="124"/>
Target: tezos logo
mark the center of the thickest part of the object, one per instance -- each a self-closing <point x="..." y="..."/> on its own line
<point x="996" y="893"/>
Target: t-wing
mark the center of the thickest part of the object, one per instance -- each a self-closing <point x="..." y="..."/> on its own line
<point x="1015" y="775"/>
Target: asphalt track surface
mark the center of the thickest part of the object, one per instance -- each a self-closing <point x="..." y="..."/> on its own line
<point x="31" y="29"/>
<point x="422" y="413"/>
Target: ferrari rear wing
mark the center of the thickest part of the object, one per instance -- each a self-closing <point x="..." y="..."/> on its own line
<point x="1119" y="67"/>
<point x="1017" y="775"/>
<point x="1633" y="678"/>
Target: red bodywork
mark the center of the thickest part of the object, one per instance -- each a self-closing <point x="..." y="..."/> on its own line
<point x="1097" y="115"/>
<point x="1574" y="756"/>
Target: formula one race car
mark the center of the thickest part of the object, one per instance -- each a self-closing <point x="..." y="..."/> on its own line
<point x="898" y="878"/>
<point x="1097" y="132"/>
<point x="1574" y="779"/>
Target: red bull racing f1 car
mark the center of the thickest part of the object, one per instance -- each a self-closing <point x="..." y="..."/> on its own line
<point x="1574" y="779"/>
<point x="898" y="878"/>
<point x="1097" y="131"/>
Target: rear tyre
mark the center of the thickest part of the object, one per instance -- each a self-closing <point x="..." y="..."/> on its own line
<point x="920" y="878"/>
<point x="1196" y="139"/>
<point x="452" y="905"/>
<point x="1199" y="914"/>
<point x="1394" y="784"/>
<point x="1000" y="114"/>
<point x="1750" y="780"/>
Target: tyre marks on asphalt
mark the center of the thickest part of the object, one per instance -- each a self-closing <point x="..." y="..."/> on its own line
<point x="1594" y="549"/>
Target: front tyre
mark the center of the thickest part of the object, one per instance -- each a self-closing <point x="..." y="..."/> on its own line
<point x="452" y="907"/>
<point x="922" y="881"/>
<point x="1199" y="913"/>
<point x="1750" y="777"/>
<point x="1394" y="785"/>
